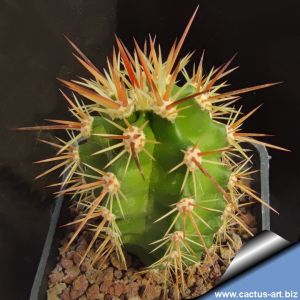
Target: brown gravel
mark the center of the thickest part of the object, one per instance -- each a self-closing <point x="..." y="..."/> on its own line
<point x="79" y="286"/>
<point x="69" y="281"/>
<point x="66" y="263"/>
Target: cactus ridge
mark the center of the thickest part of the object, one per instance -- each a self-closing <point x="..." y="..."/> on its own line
<point x="155" y="160"/>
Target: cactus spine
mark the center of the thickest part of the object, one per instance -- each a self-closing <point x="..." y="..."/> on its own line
<point x="156" y="164"/>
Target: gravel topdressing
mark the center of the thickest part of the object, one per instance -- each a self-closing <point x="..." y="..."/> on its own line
<point x="69" y="280"/>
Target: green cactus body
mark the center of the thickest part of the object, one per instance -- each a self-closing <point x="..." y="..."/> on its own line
<point x="151" y="197"/>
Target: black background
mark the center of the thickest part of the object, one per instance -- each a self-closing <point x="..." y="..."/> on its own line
<point x="33" y="52"/>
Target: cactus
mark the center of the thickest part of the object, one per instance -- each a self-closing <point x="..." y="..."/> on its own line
<point x="155" y="159"/>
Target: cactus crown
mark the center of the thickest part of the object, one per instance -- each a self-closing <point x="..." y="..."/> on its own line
<point x="155" y="163"/>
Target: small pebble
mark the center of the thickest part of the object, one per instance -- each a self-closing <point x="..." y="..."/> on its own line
<point x="66" y="294"/>
<point x="133" y="290"/>
<point x="71" y="274"/>
<point x="76" y="259"/>
<point x="116" y="262"/>
<point x="93" y="292"/>
<point x="56" y="290"/>
<point x="55" y="277"/>
<point x="91" y="275"/>
<point x="118" y="274"/>
<point x="66" y="263"/>
<point x="118" y="289"/>
<point x="79" y="286"/>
